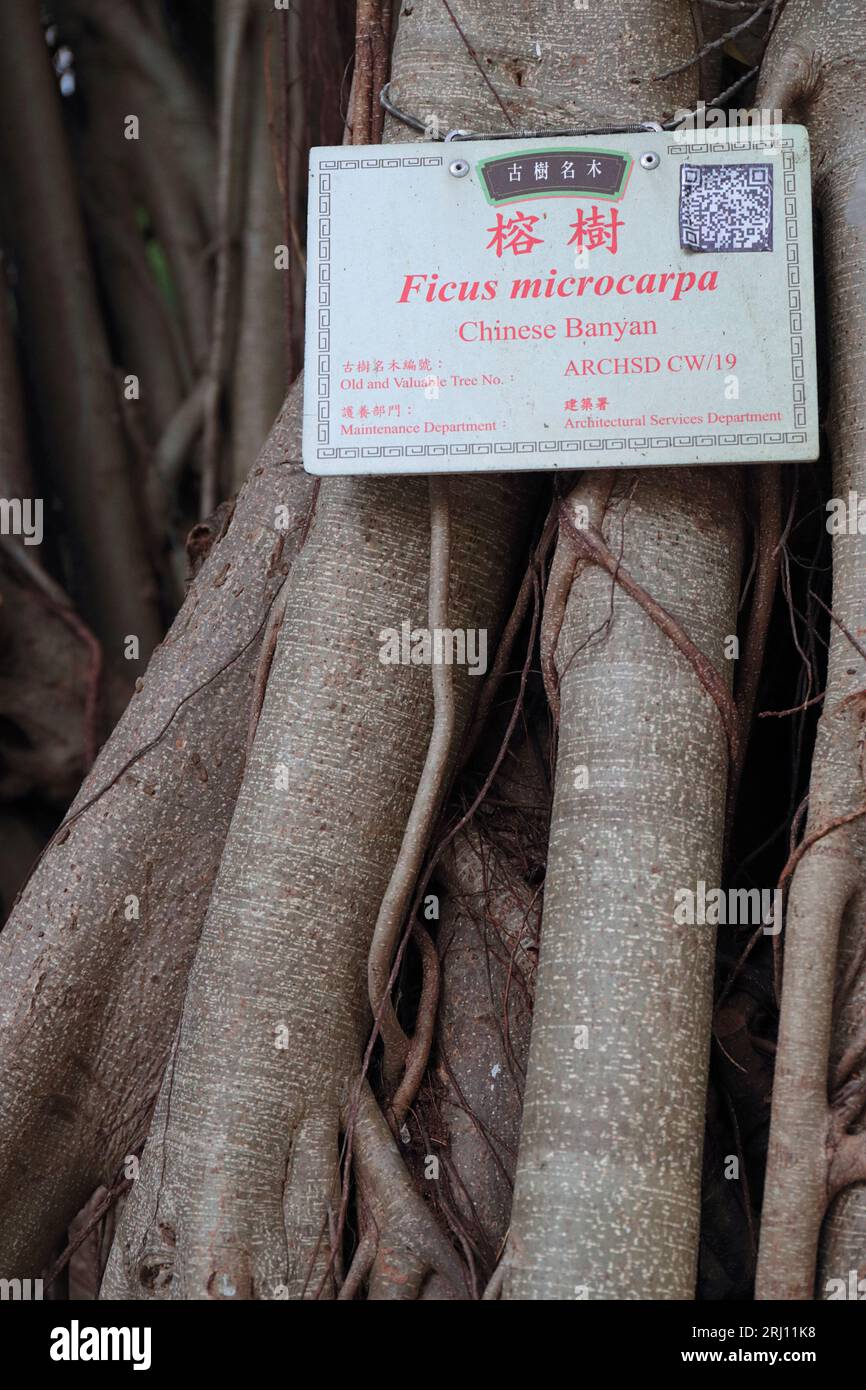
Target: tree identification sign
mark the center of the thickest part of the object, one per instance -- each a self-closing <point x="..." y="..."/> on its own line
<point x="601" y="301"/>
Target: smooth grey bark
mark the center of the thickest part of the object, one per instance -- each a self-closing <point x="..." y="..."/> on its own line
<point x="607" y="1195"/>
<point x="89" y="999"/>
<point x="813" y="72"/>
<point x="239" y="1171"/>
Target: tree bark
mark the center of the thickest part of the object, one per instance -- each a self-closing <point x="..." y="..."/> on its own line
<point x="89" y="994"/>
<point x="817" y="1149"/>
<point x="240" y="1168"/>
<point x="607" y="1195"/>
<point x="488" y="942"/>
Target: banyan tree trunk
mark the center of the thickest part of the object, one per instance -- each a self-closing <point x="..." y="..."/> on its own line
<point x="816" y="1163"/>
<point x="95" y="955"/>
<point x="607" y="1195"/>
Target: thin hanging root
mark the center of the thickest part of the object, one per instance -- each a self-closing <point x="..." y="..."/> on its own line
<point x="566" y="568"/>
<point x="372" y="31"/>
<point x="719" y="42"/>
<point x="428" y="799"/>
<point x="813" y="837"/>
<point x="796" y="855"/>
<point x="409" y="1244"/>
<point x="104" y="1206"/>
<point x="427" y="1007"/>
<point x="494" y="1286"/>
<point x="335" y="1247"/>
<point x="418" y="1050"/>
<point x="422" y="1038"/>
<point x="592" y="542"/>
<point x="767" y="482"/>
<point x="563" y="572"/>
<point x="515" y="621"/>
<point x="381" y="59"/>
<point x="362" y="1263"/>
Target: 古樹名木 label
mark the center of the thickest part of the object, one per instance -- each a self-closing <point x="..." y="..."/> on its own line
<point x="619" y="300"/>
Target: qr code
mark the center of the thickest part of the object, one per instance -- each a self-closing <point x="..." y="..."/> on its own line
<point x="726" y="207"/>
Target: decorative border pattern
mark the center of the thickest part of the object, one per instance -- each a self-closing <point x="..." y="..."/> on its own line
<point x="546" y="446"/>
<point x="553" y="446"/>
<point x="795" y="313"/>
<point x="717" y="146"/>
<point x="323" y="297"/>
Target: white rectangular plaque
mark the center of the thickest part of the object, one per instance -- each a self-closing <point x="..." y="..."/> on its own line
<point x="603" y="301"/>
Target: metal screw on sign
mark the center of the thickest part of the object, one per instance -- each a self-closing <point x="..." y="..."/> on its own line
<point x="650" y="160"/>
<point x="459" y="168"/>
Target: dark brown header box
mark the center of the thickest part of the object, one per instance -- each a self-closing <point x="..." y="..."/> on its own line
<point x="598" y="172"/>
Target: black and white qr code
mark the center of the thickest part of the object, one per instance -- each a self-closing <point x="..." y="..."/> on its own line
<point x="726" y="207"/>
